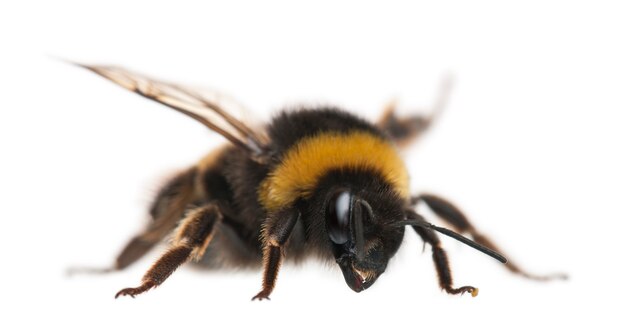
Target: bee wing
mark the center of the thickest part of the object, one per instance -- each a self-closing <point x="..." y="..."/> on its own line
<point x="192" y="103"/>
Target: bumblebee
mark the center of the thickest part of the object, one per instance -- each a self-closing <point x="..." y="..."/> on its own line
<point x="313" y="182"/>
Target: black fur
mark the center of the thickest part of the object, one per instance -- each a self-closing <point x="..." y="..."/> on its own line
<point x="243" y="177"/>
<point x="290" y="126"/>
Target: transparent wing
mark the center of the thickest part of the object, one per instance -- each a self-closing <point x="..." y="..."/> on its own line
<point x="193" y="103"/>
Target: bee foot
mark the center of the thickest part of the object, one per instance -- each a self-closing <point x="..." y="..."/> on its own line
<point x="262" y="295"/>
<point x="462" y="290"/>
<point x="132" y="291"/>
<point x="469" y="289"/>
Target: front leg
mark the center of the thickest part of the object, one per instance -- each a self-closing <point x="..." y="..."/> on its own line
<point x="441" y="263"/>
<point x="449" y="213"/>
<point x="275" y="235"/>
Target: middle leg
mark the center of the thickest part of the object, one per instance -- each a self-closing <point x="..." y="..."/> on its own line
<point x="191" y="240"/>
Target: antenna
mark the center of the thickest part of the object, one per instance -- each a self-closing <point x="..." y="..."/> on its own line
<point x="418" y="220"/>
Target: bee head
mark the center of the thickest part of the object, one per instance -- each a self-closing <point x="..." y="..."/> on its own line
<point x="362" y="241"/>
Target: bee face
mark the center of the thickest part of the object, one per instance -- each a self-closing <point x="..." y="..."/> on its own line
<point x="362" y="234"/>
<point x="362" y="242"/>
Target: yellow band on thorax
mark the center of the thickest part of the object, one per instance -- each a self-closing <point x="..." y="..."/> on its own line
<point x="310" y="158"/>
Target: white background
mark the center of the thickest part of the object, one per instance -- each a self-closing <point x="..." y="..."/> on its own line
<point x="531" y="146"/>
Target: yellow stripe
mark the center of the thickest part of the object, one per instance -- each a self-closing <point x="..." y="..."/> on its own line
<point x="309" y="159"/>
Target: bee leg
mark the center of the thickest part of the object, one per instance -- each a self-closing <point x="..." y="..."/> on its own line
<point x="191" y="240"/>
<point x="453" y="216"/>
<point x="406" y="129"/>
<point x="166" y="210"/>
<point x="275" y="236"/>
<point x="441" y="263"/>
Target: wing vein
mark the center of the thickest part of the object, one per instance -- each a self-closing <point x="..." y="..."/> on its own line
<point x="191" y="103"/>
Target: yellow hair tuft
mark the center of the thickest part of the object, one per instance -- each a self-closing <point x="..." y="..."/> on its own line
<point x="310" y="158"/>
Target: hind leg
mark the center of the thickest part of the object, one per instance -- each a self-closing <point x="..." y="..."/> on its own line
<point x="166" y="210"/>
<point x="453" y="216"/>
<point x="404" y="130"/>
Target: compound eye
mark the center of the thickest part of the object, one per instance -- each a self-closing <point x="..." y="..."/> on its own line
<point x="338" y="217"/>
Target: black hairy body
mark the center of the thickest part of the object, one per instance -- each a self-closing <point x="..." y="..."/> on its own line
<point x="238" y="243"/>
<point x="315" y="182"/>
